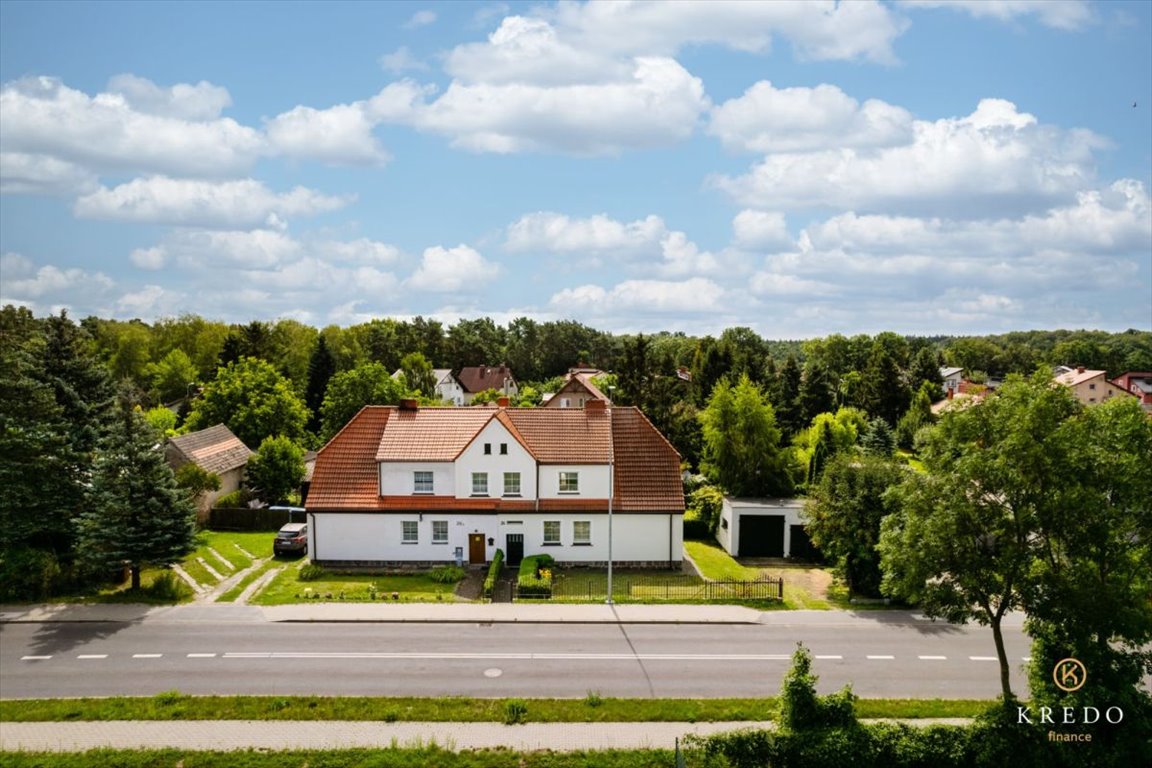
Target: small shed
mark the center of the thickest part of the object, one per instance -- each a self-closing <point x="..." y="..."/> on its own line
<point x="764" y="528"/>
<point x="214" y="450"/>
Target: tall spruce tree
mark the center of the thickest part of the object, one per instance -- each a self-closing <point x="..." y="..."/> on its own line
<point x="321" y="369"/>
<point x="136" y="515"/>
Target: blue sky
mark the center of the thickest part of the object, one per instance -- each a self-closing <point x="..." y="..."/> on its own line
<point x="802" y="168"/>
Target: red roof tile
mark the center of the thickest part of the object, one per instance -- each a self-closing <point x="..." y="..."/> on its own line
<point x="477" y="378"/>
<point x="346" y="474"/>
<point x="214" y="449"/>
<point x="647" y="467"/>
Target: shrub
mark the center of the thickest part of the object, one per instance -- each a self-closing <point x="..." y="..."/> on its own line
<point x="695" y="527"/>
<point x="800" y="707"/>
<point x="167" y="586"/>
<point x="447" y="574"/>
<point x="493" y="573"/>
<point x="311" y="572"/>
<point x="515" y="711"/>
<point x="534" y="579"/>
<point x="593" y="699"/>
<point x="27" y="573"/>
<point x="235" y="499"/>
<point x="707" y="502"/>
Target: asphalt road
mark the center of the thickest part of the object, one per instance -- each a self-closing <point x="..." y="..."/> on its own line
<point x="886" y="655"/>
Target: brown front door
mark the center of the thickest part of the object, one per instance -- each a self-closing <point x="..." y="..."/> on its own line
<point x="476" y="549"/>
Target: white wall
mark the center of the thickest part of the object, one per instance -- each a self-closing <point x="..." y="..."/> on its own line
<point x="593" y="481"/>
<point x="396" y="478"/>
<point x="732" y="513"/>
<point x="473" y="459"/>
<point x="334" y="536"/>
<point x="639" y="537"/>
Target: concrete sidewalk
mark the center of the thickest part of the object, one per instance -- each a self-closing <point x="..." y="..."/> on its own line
<point x="228" y="735"/>
<point x="471" y="613"/>
<point x="320" y="735"/>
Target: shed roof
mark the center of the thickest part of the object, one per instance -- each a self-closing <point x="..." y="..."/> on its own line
<point x="214" y="449"/>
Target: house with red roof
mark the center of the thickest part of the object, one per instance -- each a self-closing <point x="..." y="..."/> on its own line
<point x="426" y="485"/>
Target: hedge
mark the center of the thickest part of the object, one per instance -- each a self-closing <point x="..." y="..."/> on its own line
<point x="493" y="573"/>
<point x="531" y="585"/>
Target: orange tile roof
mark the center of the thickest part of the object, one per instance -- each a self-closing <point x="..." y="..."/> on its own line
<point x="646" y="466"/>
<point x="346" y="474"/>
<point x="214" y="449"/>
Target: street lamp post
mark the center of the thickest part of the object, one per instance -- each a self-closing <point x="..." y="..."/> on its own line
<point x="611" y="490"/>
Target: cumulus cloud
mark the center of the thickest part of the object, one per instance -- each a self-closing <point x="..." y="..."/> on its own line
<point x="420" y="19"/>
<point x="200" y="102"/>
<point x="191" y="202"/>
<point x="451" y="270"/>
<point x="401" y="60"/>
<point x="42" y="116"/>
<point x="698" y="295"/>
<point x="769" y="119"/>
<point x="341" y="135"/>
<point x="52" y="281"/>
<point x="760" y="229"/>
<point x="646" y="243"/>
<point x="994" y="160"/>
<point x="1068" y="15"/>
<point x="153" y="258"/>
<point x="27" y="174"/>
<point x="818" y="30"/>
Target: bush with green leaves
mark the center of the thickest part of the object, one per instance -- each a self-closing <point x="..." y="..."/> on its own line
<point x="447" y="574"/>
<point x="27" y="573"/>
<point x="515" y="711"/>
<point x="493" y="573"/>
<point x="312" y="572"/>
<point x="534" y="579"/>
<point x="800" y="706"/>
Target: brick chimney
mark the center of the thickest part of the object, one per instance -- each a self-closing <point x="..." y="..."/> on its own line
<point x="502" y="402"/>
<point x="596" y="406"/>
<point x="409" y="404"/>
<point x="1079" y="369"/>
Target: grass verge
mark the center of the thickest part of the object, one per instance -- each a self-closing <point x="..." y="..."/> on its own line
<point x="398" y="756"/>
<point x="173" y="705"/>
<point x="287" y="588"/>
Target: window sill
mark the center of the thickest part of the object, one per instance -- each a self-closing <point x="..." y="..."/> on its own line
<point x="440" y="543"/>
<point x="551" y="544"/>
<point x="479" y="496"/>
<point x="513" y="496"/>
<point x="423" y="493"/>
<point x="409" y="543"/>
<point x="568" y="493"/>
<point x="581" y="543"/>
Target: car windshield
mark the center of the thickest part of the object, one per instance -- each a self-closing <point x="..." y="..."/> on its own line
<point x="290" y="534"/>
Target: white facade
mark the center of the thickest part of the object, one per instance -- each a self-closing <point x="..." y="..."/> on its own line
<point x="734" y="513"/>
<point x="493" y="453"/>
<point x="448" y="388"/>
<point x="379" y="537"/>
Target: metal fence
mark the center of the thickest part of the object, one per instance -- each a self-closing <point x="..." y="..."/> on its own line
<point x="577" y="587"/>
<point x="244" y="519"/>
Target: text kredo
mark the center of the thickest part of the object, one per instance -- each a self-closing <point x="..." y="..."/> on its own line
<point x="1088" y="715"/>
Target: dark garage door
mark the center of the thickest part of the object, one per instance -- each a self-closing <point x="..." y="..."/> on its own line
<point x="761" y="536"/>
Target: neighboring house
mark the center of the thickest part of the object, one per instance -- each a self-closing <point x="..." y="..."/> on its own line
<point x="577" y="390"/>
<point x="414" y="485"/>
<point x="214" y="450"/>
<point x="447" y="388"/>
<point x="480" y="378"/>
<point x="1090" y="387"/>
<point x="952" y="378"/>
<point x="764" y="528"/>
<point x="1138" y="383"/>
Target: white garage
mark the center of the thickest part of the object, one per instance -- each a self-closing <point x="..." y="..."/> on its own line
<point x="763" y="528"/>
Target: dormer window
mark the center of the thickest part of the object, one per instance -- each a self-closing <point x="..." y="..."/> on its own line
<point x="479" y="483"/>
<point x="569" y="482"/>
<point x="422" y="482"/>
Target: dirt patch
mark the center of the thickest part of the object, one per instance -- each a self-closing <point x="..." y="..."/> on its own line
<point x="809" y="579"/>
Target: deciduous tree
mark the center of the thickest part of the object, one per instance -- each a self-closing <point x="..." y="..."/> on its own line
<point x="277" y="469"/>
<point x="253" y="400"/>
<point x="741" y="441"/>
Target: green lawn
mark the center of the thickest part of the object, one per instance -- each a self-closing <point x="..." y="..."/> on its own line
<point x="287" y="588"/>
<point x="590" y="709"/>
<point x="715" y="563"/>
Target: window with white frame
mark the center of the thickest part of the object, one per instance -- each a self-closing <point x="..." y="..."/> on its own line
<point x="421" y="482"/>
<point x="511" y="483"/>
<point x="551" y="532"/>
<point x="582" y="532"/>
<point x="479" y="483"/>
<point x="439" y="531"/>
<point x="411" y="532"/>
<point x="569" y="482"/>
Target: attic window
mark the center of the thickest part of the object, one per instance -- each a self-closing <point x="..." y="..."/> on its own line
<point x="422" y="482"/>
<point x="503" y="449"/>
<point x="487" y="449"/>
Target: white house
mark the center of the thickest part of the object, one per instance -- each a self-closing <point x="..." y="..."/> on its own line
<point x="417" y="485"/>
<point x="763" y="528"/>
<point x="952" y="377"/>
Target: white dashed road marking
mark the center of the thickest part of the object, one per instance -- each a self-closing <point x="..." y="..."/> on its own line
<point x="201" y="655"/>
<point x="92" y="656"/>
<point x="933" y="658"/>
<point x="982" y="658"/>
<point x="829" y="658"/>
<point x="35" y="658"/>
<point x="147" y="655"/>
<point x="880" y="658"/>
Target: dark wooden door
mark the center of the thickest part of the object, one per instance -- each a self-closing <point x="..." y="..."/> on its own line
<point x="476" y="549"/>
<point x="514" y="548"/>
<point x="762" y="536"/>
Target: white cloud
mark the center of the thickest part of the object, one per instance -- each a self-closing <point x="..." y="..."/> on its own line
<point x="200" y="102"/>
<point x="363" y="251"/>
<point x="190" y="202"/>
<point x="401" y="60"/>
<point x="49" y="281"/>
<point x="1062" y="14"/>
<point x="207" y="249"/>
<point x="761" y="229"/>
<point x="698" y="295"/>
<point x="821" y="29"/>
<point x="149" y="301"/>
<point x="451" y="270"/>
<point x="659" y="104"/>
<point x="105" y="132"/>
<point x="13" y="265"/>
<point x="768" y="119"/>
<point x="994" y="160"/>
<point x="420" y="19"/>
<point x="149" y="258"/>
<point x="557" y="233"/>
<point x="341" y="135"/>
<point x="22" y="173"/>
<point x="776" y="285"/>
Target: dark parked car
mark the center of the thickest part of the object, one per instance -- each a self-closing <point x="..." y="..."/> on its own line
<point x="293" y="537"/>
